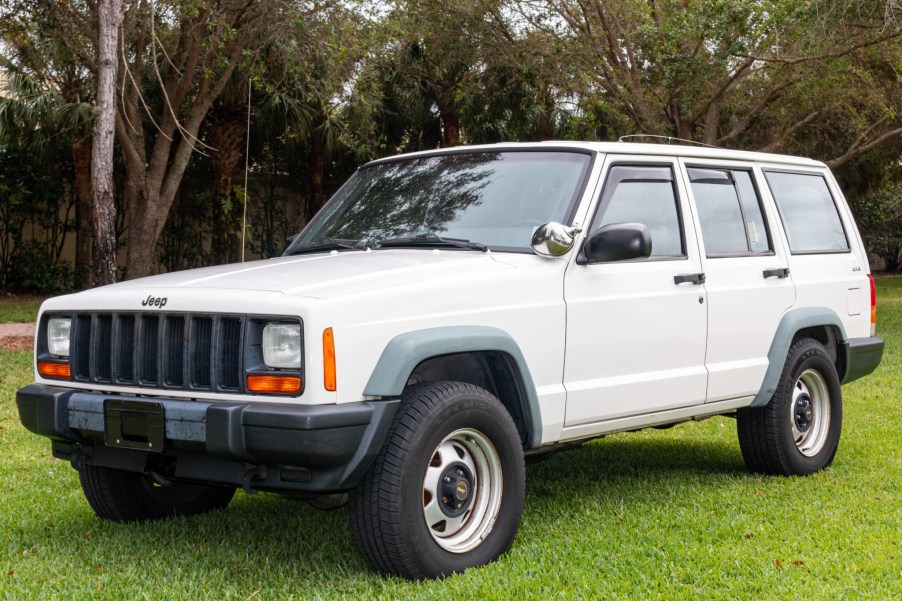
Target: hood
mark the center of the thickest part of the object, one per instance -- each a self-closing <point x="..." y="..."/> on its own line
<point x="325" y="274"/>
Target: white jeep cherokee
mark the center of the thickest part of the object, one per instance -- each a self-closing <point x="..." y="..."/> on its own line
<point x="449" y="312"/>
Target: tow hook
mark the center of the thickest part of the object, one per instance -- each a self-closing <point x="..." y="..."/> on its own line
<point x="79" y="459"/>
<point x="254" y="474"/>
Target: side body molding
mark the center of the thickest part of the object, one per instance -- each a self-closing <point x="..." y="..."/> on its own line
<point x="793" y="321"/>
<point x="404" y="352"/>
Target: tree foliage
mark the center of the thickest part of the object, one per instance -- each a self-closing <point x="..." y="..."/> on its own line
<point x="336" y="82"/>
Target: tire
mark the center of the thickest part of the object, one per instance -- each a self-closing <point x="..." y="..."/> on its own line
<point x="797" y="432"/>
<point x="121" y="496"/>
<point x="446" y="490"/>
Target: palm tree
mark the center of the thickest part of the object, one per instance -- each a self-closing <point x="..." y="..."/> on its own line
<point x="41" y="111"/>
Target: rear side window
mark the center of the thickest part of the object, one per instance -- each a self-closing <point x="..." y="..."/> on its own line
<point x="808" y="211"/>
<point x="729" y="211"/>
<point x="646" y="195"/>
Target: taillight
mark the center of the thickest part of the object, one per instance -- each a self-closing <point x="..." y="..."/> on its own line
<point x="873" y="306"/>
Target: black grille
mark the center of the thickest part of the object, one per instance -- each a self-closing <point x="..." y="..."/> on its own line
<point x="160" y="350"/>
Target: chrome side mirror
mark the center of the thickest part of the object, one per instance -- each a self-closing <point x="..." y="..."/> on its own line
<point x="554" y="239"/>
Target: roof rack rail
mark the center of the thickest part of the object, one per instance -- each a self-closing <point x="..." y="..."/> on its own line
<point x="669" y="139"/>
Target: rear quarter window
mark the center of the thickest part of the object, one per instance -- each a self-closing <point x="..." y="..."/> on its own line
<point x="808" y="211"/>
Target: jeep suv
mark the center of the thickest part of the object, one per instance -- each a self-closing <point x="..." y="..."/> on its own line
<point x="448" y="313"/>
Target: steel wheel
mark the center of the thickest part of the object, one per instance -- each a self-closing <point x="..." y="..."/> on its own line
<point x="446" y="491"/>
<point x="810" y="413"/>
<point x="797" y="432"/>
<point x="462" y="490"/>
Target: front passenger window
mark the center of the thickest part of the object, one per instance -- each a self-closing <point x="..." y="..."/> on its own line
<point x="646" y="195"/>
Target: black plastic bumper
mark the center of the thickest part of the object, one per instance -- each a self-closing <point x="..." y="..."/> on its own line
<point x="316" y="448"/>
<point x="863" y="355"/>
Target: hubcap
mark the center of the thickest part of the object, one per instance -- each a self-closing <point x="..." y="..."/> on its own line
<point x="810" y="413"/>
<point x="462" y="490"/>
<point x="457" y="486"/>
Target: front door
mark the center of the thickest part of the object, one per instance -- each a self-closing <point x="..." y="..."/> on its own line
<point x="636" y="329"/>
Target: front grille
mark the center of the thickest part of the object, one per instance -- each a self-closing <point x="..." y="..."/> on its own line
<point x="159" y="350"/>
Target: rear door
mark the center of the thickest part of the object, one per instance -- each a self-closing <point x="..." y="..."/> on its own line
<point x="747" y="278"/>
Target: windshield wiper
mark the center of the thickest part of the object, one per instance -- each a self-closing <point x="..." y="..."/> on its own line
<point x="430" y="240"/>
<point x="326" y="244"/>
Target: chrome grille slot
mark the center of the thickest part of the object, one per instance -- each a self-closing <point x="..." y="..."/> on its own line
<point x="149" y="350"/>
<point x="103" y="348"/>
<point x="125" y="349"/>
<point x="82" y="342"/>
<point x="202" y="351"/>
<point x="174" y="351"/>
<point x="230" y="354"/>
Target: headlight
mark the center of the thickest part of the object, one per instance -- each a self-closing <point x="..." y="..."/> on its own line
<point x="58" y="329"/>
<point x="282" y="345"/>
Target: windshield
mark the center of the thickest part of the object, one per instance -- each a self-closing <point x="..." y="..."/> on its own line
<point x="494" y="198"/>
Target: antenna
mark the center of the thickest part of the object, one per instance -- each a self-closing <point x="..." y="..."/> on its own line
<point x="247" y="152"/>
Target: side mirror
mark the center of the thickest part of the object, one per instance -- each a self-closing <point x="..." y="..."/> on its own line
<point x="618" y="242"/>
<point x="554" y="239"/>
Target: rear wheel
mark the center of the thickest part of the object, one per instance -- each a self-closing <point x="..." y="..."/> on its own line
<point x="128" y="497"/>
<point x="797" y="432"/>
<point x="446" y="490"/>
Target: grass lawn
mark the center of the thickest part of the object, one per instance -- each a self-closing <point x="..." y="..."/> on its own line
<point x="19" y="309"/>
<point x="650" y="515"/>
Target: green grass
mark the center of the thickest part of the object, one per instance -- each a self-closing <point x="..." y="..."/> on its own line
<point x="19" y="309"/>
<point x="649" y="515"/>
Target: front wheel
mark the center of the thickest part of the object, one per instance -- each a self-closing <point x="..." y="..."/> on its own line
<point x="447" y="488"/>
<point x="121" y="496"/>
<point x="797" y="432"/>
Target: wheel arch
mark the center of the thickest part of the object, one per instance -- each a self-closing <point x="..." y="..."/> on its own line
<point x="492" y="353"/>
<point x="819" y="323"/>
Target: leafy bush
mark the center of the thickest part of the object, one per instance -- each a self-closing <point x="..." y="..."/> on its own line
<point x="879" y="217"/>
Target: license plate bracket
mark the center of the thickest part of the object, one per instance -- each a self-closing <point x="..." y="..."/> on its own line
<point x="134" y="425"/>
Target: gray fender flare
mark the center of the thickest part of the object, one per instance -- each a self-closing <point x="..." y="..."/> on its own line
<point x="404" y="352"/>
<point x="793" y="321"/>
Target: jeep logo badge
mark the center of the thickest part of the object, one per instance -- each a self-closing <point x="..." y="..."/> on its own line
<point x="150" y="301"/>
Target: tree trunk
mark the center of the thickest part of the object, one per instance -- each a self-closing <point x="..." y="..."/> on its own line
<point x="315" y="174"/>
<point x="227" y="135"/>
<point x="450" y="120"/>
<point x="81" y="158"/>
<point x="110" y="18"/>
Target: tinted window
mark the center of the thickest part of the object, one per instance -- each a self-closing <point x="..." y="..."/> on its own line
<point x="729" y="211"/>
<point x="646" y="195"/>
<point x="808" y="212"/>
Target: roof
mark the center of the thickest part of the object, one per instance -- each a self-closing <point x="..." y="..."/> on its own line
<point x="682" y="150"/>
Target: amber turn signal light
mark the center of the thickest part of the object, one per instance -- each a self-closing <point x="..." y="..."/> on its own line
<point x="274" y="384"/>
<point x="329" y="379"/>
<point x="54" y="370"/>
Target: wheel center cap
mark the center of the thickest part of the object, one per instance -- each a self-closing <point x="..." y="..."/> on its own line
<point x="456" y="489"/>
<point x="461" y="490"/>
<point x="803" y="412"/>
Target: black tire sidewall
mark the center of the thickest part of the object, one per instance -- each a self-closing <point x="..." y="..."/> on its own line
<point x="810" y="355"/>
<point x="488" y="417"/>
<point x="180" y="498"/>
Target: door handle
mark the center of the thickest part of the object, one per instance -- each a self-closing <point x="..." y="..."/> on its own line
<point x="780" y="272"/>
<point x="694" y="278"/>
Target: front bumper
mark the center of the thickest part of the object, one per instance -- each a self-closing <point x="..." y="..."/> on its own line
<point x="273" y="446"/>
